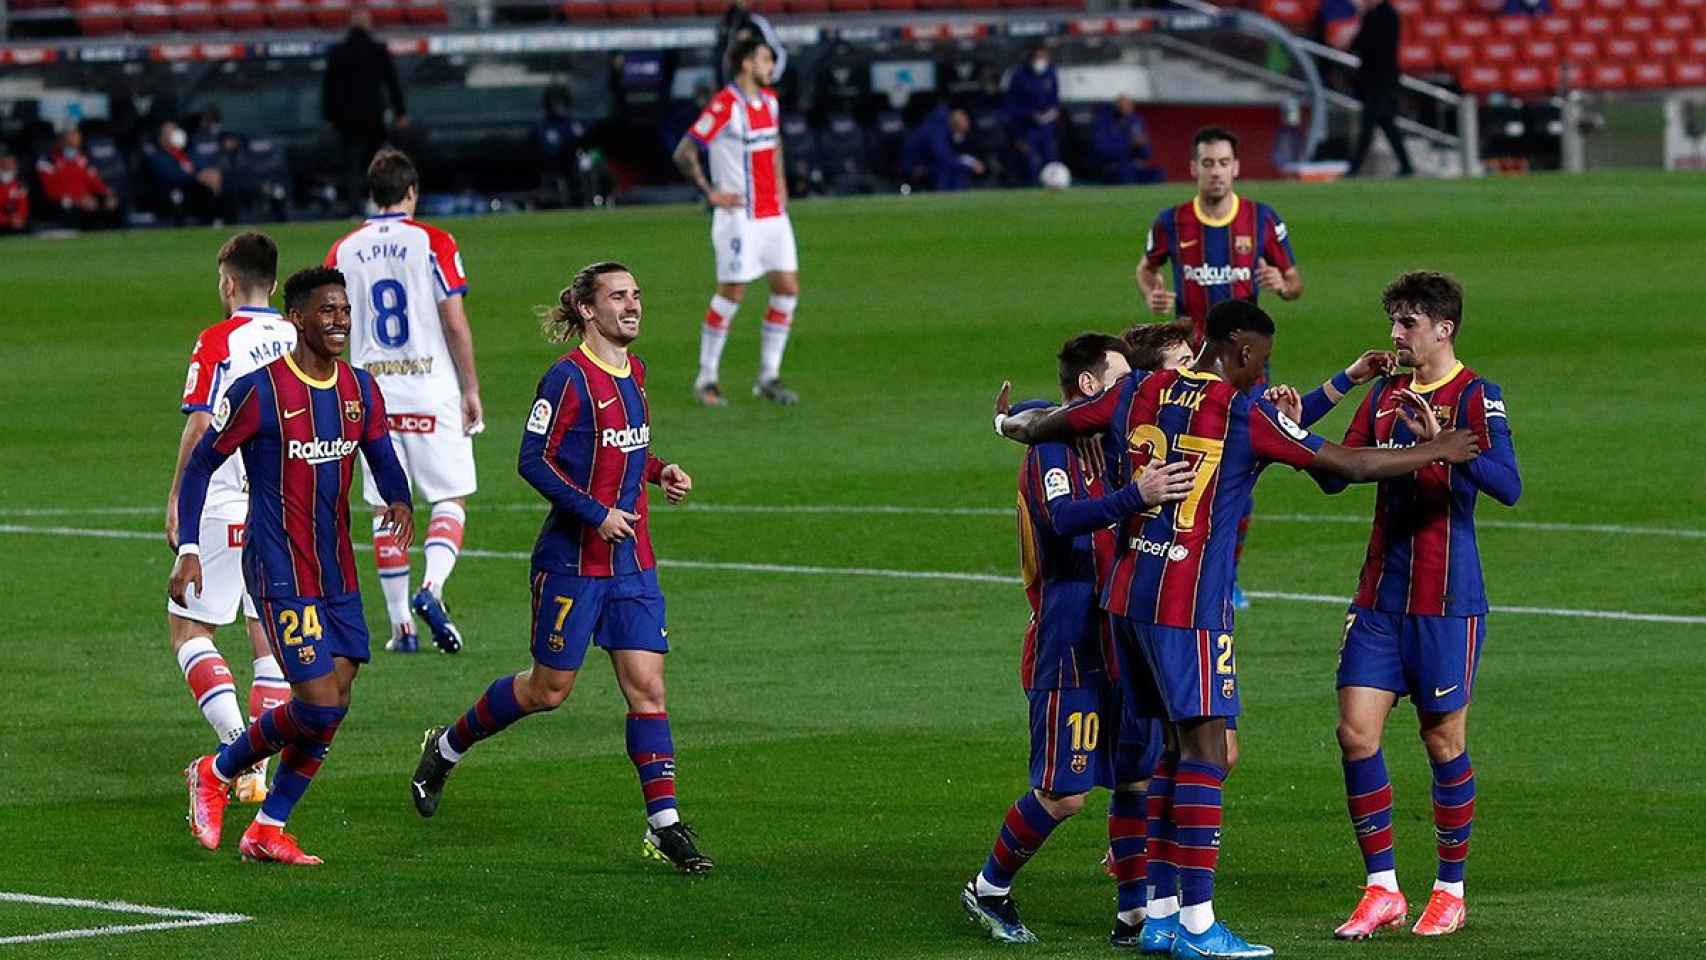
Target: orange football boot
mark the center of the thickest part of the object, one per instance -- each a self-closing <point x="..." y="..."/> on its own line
<point x="207" y="802"/>
<point x="266" y="843"/>
<point x="1379" y="907"/>
<point x="1445" y="914"/>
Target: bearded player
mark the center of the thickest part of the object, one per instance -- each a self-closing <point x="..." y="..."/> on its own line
<point x="1170" y="593"/>
<point x="587" y="449"/>
<point x="1418" y="623"/>
<point x="411" y="334"/>
<point x="299" y="422"/>
<point x="751" y="235"/>
<point x="252" y="335"/>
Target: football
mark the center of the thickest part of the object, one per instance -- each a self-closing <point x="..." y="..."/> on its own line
<point x="1055" y="176"/>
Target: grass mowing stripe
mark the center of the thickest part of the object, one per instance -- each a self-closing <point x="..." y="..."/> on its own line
<point x="939" y="575"/>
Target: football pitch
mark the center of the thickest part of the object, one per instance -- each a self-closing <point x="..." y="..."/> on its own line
<point x="844" y="608"/>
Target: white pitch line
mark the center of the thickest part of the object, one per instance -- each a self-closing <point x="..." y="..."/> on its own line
<point x="942" y="575"/>
<point x="834" y="509"/>
<point x="180" y="918"/>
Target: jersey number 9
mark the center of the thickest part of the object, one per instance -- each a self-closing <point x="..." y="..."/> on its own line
<point x="390" y="313"/>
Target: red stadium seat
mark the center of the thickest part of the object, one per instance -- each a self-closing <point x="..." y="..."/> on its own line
<point x="1498" y="52"/>
<point x="386" y="13"/>
<point x="1446" y="8"/>
<point x="1408" y="8"/>
<point x="331" y="14"/>
<point x="1650" y="75"/>
<point x="1688" y="4"/>
<point x="676" y="9"/>
<point x="1528" y="78"/>
<point x="1540" y="50"/>
<point x="431" y="13"/>
<point x="807" y="6"/>
<point x="1434" y="30"/>
<point x="1676" y="24"/>
<point x="1417" y="57"/>
<point x="1482" y="79"/>
<point x="294" y="15"/>
<point x="242" y="15"/>
<point x="1291" y="12"/>
<point x="1456" y="53"/>
<point x="1593" y="25"/>
<point x="630" y="9"/>
<point x="1662" y="48"/>
<point x="98" y="18"/>
<point x="1581" y="50"/>
<point x="586" y="10"/>
<point x="1569" y="6"/>
<point x="1608" y="76"/>
<point x="1621" y="49"/>
<point x="1558" y="27"/>
<point x="899" y="5"/>
<point x="850" y="6"/>
<point x="1651" y="6"/>
<point x="150" y="16"/>
<point x="1695" y="47"/>
<point x="195" y="16"/>
<point x="1514" y="27"/>
<point x="1635" y="24"/>
<point x="1474" y="28"/>
<point x="1684" y="73"/>
<point x="1611" y="6"/>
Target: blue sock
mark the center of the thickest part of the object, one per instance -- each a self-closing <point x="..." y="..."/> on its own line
<point x="1023" y="831"/>
<point x="301" y="759"/>
<point x="1454" y="814"/>
<point x="1196" y="818"/>
<point x="1163" y="868"/>
<point x="1368" y="793"/>
<point x="1127" y="836"/>
<point x="271" y="732"/>
<point x="496" y="709"/>
<point x="652" y="750"/>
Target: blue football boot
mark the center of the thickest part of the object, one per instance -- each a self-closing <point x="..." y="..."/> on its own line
<point x="998" y="915"/>
<point x="1158" y="934"/>
<point x="1216" y="943"/>
<point x="430" y="608"/>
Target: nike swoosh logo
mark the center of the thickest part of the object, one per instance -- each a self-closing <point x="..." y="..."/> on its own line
<point x="1440" y="693"/>
<point x="607" y="403"/>
<point x="1187" y="243"/>
<point x="289" y="414"/>
<point x="1385" y="413"/>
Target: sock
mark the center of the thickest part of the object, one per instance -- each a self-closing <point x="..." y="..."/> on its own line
<point x="210" y="684"/>
<point x="713" y="335"/>
<point x="1196" y="818"/>
<point x="652" y="750"/>
<point x="496" y="709"/>
<point x="1127" y="834"/>
<point x="1454" y="815"/>
<point x="1022" y="834"/>
<point x="393" y="563"/>
<point x="1368" y="792"/>
<point x="269" y="734"/>
<point x="443" y="543"/>
<point x="1162" y="853"/>
<point x="773" y="336"/>
<point x="269" y="688"/>
<point x="301" y="758"/>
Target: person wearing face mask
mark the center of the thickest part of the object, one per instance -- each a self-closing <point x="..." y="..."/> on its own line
<point x="72" y="185"/>
<point x="1033" y="113"/>
<point x="14" y="196"/>
<point x="197" y="193"/>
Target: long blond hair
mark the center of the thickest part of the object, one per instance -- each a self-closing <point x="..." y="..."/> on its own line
<point x="563" y="322"/>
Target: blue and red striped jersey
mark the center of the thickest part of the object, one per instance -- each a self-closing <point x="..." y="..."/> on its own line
<point x="587" y="448"/>
<point x="299" y="437"/>
<point x="1422" y="555"/>
<point x="1175" y="564"/>
<point x="1215" y="260"/>
<point x="1063" y="565"/>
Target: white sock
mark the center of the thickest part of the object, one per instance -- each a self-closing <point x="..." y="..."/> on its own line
<point x="1455" y="889"/>
<point x="1163" y="908"/>
<point x="1387" y="879"/>
<point x="265" y="820"/>
<point x="984" y="888"/>
<point x="1197" y="917"/>
<point x="712" y="336"/>
<point x="773" y="336"/>
<point x="443" y="544"/>
<point x="217" y="697"/>
<point x="1133" y="917"/>
<point x="447" y="751"/>
<point x="663" y="818"/>
<point x="394" y="583"/>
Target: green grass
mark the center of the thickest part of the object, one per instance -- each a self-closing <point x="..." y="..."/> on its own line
<point x="847" y="743"/>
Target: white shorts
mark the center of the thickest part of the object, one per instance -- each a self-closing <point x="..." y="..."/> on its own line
<point x="747" y="249"/>
<point x="436" y="457"/>
<point x="222" y="588"/>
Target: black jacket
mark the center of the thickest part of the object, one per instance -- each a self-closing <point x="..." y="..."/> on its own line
<point x="1377" y="44"/>
<point x="359" y="78"/>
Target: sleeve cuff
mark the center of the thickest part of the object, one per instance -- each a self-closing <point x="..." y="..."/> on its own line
<point x="196" y="408"/>
<point x="1342" y="383"/>
<point x="189" y="550"/>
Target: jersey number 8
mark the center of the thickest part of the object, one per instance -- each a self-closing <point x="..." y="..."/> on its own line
<point x="390" y="313"/>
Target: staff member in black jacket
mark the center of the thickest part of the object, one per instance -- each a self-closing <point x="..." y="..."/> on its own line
<point x="1377" y="82"/>
<point x="361" y="81"/>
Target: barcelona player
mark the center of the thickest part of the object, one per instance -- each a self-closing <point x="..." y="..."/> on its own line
<point x="1418" y="623"/>
<point x="299" y="423"/>
<point x="251" y="336"/>
<point x="586" y="448"/>
<point x="1066" y="545"/>
<point x="1171" y="590"/>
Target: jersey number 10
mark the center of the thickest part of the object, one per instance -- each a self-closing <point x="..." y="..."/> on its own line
<point x="390" y="313"/>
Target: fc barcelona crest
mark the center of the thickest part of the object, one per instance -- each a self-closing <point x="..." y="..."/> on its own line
<point x="352" y="411"/>
<point x="306" y="655"/>
<point x="1080" y="763"/>
<point x="555" y="642"/>
<point x="1228" y="687"/>
<point x="1243" y="245"/>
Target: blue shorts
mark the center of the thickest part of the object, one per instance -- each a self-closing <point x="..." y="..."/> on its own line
<point x="617" y="613"/>
<point x="305" y="633"/>
<point x="1073" y="735"/>
<point x="1195" y="672"/>
<point x="1433" y="660"/>
<point x="1141" y="738"/>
